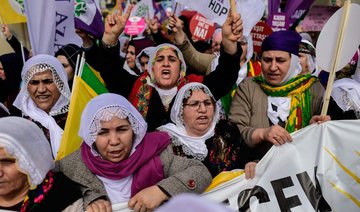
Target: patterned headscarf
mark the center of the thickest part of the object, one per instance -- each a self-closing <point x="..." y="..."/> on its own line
<point x="25" y="141"/>
<point x="346" y="92"/>
<point x="23" y="101"/>
<point x="103" y="108"/>
<point x="308" y="48"/>
<point x="194" y="146"/>
<point x="153" y="57"/>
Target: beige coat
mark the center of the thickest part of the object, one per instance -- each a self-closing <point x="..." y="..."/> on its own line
<point x="249" y="109"/>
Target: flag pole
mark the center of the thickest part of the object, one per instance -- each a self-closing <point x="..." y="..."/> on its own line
<point x="22" y="52"/>
<point x="176" y="4"/>
<point x="232" y="7"/>
<point x="76" y="71"/>
<point x="82" y="62"/>
<point x="339" y="41"/>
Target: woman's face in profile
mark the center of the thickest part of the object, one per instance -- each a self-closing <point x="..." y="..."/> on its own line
<point x="2" y="72"/>
<point x="13" y="183"/>
<point x="115" y="139"/>
<point x="66" y="64"/>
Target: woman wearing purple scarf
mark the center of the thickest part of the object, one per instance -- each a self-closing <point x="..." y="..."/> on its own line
<point x="133" y="166"/>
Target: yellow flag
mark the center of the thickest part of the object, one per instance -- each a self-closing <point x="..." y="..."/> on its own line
<point x="12" y="12"/>
<point x="86" y="87"/>
<point x="82" y="93"/>
<point x="223" y="177"/>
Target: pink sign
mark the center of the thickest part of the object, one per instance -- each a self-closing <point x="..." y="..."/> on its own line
<point x="317" y="17"/>
<point x="135" y="25"/>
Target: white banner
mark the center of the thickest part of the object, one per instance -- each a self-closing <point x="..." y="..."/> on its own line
<point x="216" y="11"/>
<point x="318" y="170"/>
<point x="50" y="25"/>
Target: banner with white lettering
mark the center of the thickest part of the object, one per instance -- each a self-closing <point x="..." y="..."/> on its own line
<point x="293" y="10"/>
<point x="216" y="10"/>
<point x="319" y="170"/>
<point x="50" y="25"/>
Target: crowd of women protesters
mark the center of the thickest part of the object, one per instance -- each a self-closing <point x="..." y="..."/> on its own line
<point x="174" y="118"/>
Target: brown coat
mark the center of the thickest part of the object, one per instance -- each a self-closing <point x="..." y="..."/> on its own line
<point x="249" y="109"/>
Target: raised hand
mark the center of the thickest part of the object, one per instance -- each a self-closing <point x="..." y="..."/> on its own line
<point x="6" y="31"/>
<point x="232" y="31"/>
<point x="176" y="26"/>
<point x="153" y="25"/>
<point x="85" y="37"/>
<point x="115" y="24"/>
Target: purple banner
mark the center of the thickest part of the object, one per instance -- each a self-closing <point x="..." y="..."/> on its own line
<point x="293" y="9"/>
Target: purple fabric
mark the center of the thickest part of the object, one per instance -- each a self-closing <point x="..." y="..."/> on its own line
<point x="297" y="5"/>
<point x="291" y="6"/>
<point x="144" y="163"/>
<point x="96" y="28"/>
<point x="273" y="7"/>
<point x="141" y="44"/>
<point x="286" y="40"/>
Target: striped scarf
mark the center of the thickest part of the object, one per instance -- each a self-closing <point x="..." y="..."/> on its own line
<point x="298" y="89"/>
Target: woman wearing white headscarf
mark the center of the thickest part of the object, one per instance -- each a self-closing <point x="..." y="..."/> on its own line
<point x="345" y="97"/>
<point x="196" y="131"/>
<point x="27" y="182"/>
<point x="152" y="93"/>
<point x="307" y="56"/>
<point x="44" y="96"/>
<point x="134" y="166"/>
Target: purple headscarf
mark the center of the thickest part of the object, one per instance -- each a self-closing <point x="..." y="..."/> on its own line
<point x="287" y="40"/>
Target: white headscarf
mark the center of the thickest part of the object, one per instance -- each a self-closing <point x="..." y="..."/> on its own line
<point x="165" y="95"/>
<point x="147" y="51"/>
<point x="25" y="141"/>
<point x="103" y="108"/>
<point x="23" y="101"/>
<point x="311" y="60"/>
<point x="346" y="92"/>
<point x="194" y="146"/>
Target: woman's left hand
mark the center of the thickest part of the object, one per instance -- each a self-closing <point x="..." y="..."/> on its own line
<point x="147" y="199"/>
<point x="250" y="170"/>
<point x="319" y="119"/>
<point x="232" y="31"/>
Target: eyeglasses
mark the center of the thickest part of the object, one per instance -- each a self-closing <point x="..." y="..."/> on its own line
<point x="195" y="105"/>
